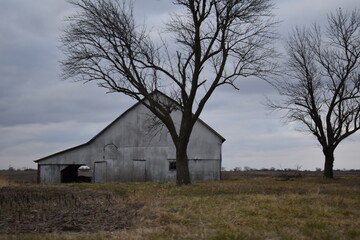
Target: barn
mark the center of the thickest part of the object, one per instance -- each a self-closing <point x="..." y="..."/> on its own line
<point x="128" y="149"/>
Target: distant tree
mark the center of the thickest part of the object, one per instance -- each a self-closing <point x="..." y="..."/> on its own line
<point x="246" y="168"/>
<point x="237" y="169"/>
<point x="213" y="43"/>
<point x="11" y="168"/>
<point x="321" y="83"/>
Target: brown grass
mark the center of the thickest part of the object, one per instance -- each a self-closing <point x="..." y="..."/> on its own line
<point x="247" y="208"/>
<point x="3" y="181"/>
<point x="19" y="177"/>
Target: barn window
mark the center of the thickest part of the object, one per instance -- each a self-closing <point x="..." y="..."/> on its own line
<point x="172" y="165"/>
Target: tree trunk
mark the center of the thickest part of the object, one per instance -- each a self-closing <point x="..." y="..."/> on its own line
<point x="329" y="163"/>
<point x="182" y="165"/>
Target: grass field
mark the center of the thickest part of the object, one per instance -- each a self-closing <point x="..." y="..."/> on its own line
<point x="245" y="208"/>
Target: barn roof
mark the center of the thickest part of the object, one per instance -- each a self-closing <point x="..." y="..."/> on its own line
<point x="117" y="119"/>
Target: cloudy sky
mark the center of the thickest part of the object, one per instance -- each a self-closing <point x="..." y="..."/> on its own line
<point x="41" y="114"/>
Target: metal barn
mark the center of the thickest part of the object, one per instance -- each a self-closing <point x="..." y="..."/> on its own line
<point x="126" y="150"/>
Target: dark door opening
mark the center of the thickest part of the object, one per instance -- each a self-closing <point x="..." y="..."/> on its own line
<point x="70" y="174"/>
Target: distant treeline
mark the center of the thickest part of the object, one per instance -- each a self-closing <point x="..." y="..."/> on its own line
<point x="19" y="169"/>
<point x="298" y="168"/>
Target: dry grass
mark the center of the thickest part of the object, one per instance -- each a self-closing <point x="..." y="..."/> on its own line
<point x="3" y="181"/>
<point x="256" y="208"/>
<point x="18" y="177"/>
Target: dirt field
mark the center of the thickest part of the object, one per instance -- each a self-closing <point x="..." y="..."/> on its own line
<point x="46" y="209"/>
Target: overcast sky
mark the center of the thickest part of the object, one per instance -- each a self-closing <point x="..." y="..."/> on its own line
<point x="41" y="114"/>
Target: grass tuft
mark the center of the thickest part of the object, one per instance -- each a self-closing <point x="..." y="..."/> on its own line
<point x="3" y="181"/>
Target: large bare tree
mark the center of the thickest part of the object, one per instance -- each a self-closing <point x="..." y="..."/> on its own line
<point x="321" y="86"/>
<point x="212" y="43"/>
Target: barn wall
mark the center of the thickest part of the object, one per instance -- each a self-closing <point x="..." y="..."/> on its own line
<point x="132" y="152"/>
<point x="204" y="144"/>
<point x="130" y="148"/>
<point x="83" y="155"/>
<point x="51" y="167"/>
<point x="204" y="152"/>
<point x="139" y="164"/>
<point x="206" y="170"/>
<point x="132" y="130"/>
<point x="50" y="173"/>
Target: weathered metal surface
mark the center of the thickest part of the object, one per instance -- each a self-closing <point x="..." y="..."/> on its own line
<point x="127" y="151"/>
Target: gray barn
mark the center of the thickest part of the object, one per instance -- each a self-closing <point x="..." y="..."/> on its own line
<point x="126" y="150"/>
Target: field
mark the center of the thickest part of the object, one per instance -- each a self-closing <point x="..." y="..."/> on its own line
<point x="19" y="177"/>
<point x="249" y="206"/>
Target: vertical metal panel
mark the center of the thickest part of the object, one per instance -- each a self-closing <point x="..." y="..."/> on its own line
<point x="139" y="171"/>
<point x="100" y="172"/>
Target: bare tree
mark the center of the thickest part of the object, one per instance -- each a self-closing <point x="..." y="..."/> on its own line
<point x="321" y="86"/>
<point x="215" y="42"/>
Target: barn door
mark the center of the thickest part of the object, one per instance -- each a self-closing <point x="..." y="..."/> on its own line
<point x="139" y="171"/>
<point x="100" y="172"/>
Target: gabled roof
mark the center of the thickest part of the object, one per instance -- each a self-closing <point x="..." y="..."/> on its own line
<point x="117" y="119"/>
